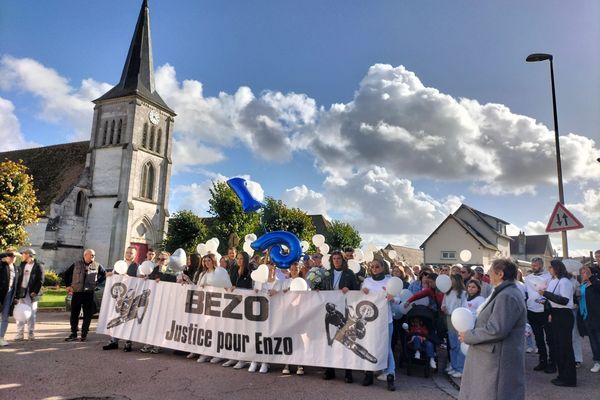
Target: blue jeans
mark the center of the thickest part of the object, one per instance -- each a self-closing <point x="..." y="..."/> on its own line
<point x="457" y="358"/>
<point x="391" y="369"/>
<point x="5" y="311"/>
<point x="419" y="344"/>
<point x="594" y="335"/>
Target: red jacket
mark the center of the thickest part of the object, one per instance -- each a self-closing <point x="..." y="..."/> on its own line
<point x="431" y="293"/>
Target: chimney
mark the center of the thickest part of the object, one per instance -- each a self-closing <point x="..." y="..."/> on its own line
<point x="522" y="243"/>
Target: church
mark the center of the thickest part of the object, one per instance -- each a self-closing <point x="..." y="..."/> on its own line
<point x="111" y="191"/>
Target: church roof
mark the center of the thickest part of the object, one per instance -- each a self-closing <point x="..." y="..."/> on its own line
<point x="137" y="77"/>
<point x="55" y="169"/>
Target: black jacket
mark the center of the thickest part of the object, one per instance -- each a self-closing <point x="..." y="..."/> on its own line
<point x="243" y="281"/>
<point x="132" y="269"/>
<point x="592" y="301"/>
<point x="347" y="280"/>
<point x="5" y="278"/>
<point x="35" y="280"/>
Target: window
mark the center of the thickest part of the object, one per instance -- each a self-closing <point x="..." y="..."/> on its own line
<point x="112" y="132"/>
<point x="158" y="140"/>
<point x="119" y="131"/>
<point x="448" y="255"/>
<point x="151" y="144"/>
<point x="105" y="133"/>
<point x="145" y="136"/>
<point x="80" y="204"/>
<point x="147" y="187"/>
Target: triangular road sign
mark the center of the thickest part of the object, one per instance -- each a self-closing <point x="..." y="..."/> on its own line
<point x="562" y="220"/>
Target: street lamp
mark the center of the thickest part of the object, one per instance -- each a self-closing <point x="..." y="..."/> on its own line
<point x="561" y="195"/>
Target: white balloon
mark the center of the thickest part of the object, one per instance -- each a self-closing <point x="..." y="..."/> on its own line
<point x="120" y="267"/>
<point x="394" y="286"/>
<point x="354" y="266"/>
<point x="298" y="285"/>
<point x="261" y="274"/>
<point x="219" y="278"/>
<point x="248" y="248"/>
<point x="146" y="268"/>
<point x="369" y="256"/>
<point x="405" y="294"/>
<point x="462" y="319"/>
<point x="318" y="240"/>
<point x="305" y="246"/>
<point x="464" y="348"/>
<point x="325" y="261"/>
<point x="251" y="237"/>
<point x="392" y="254"/>
<point x="359" y="255"/>
<point x="212" y="245"/>
<point x="22" y="312"/>
<point x="443" y="283"/>
<point x="572" y="266"/>
<point x="465" y="255"/>
<point x="324" y="248"/>
<point x="201" y="249"/>
<point x="178" y="259"/>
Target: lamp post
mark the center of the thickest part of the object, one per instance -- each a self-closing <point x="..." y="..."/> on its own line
<point x="561" y="195"/>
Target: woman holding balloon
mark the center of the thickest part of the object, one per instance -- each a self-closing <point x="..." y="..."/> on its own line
<point x="455" y="297"/>
<point x="495" y="364"/>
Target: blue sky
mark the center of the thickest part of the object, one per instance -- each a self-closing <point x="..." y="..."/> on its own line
<point x="386" y="114"/>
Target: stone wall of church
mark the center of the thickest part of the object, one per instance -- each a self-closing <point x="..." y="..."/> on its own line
<point x="100" y="220"/>
<point x="107" y="171"/>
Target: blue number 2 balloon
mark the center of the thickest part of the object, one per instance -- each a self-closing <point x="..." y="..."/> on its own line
<point x="240" y="187"/>
<point x="275" y="240"/>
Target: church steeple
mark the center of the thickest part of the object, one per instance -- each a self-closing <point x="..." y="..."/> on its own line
<point x="138" y="73"/>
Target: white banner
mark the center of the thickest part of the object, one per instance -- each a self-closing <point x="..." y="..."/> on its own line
<point x="320" y="328"/>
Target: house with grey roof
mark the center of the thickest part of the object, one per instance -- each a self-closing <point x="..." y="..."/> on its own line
<point x="525" y="247"/>
<point x="470" y="232"/>
<point x="111" y="191"/>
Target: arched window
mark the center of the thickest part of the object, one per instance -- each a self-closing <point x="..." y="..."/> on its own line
<point x="112" y="132"/>
<point x="158" y="140"/>
<point x="145" y="136"/>
<point x="105" y="133"/>
<point x="147" y="187"/>
<point x="80" y="204"/>
<point x="151" y="144"/>
<point x="119" y="130"/>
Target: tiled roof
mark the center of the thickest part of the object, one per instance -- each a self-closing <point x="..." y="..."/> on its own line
<point x="55" y="169"/>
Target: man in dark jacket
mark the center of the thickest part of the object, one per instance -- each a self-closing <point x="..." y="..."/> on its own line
<point x="8" y="282"/>
<point x="29" y="290"/>
<point x="343" y="279"/>
<point x="81" y="279"/>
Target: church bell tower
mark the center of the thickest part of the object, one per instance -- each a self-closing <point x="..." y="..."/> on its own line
<point x="130" y="158"/>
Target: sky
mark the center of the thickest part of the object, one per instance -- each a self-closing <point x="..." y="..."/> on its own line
<point x="384" y="114"/>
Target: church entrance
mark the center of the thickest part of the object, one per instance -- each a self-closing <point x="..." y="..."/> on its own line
<point x="142" y="249"/>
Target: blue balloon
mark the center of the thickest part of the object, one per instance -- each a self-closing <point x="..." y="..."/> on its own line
<point x="274" y="240"/>
<point x="240" y="187"/>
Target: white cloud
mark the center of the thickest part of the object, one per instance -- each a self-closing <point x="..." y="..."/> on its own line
<point x="11" y="137"/>
<point x="60" y="102"/>
<point x="305" y="199"/>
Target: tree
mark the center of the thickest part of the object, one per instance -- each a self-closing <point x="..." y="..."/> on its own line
<point x="18" y="203"/>
<point x="279" y="217"/>
<point x="186" y="230"/>
<point x="229" y="216"/>
<point x="341" y="234"/>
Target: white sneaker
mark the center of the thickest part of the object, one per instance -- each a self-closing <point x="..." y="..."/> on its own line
<point x="202" y="359"/>
<point x="382" y="377"/>
<point x="240" y="365"/>
<point x="253" y="366"/>
<point x="529" y="350"/>
<point x="451" y="371"/>
<point x="300" y="370"/>
<point x="264" y="368"/>
<point x="432" y="363"/>
<point x="229" y="363"/>
<point x="3" y="342"/>
<point x="191" y="355"/>
<point x="448" y="368"/>
<point x="417" y="356"/>
<point x="20" y="337"/>
<point x="216" y="360"/>
<point x="595" y="368"/>
<point x="456" y="374"/>
<point x="286" y="370"/>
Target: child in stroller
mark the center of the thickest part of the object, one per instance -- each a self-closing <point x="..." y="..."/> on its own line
<point x="421" y="336"/>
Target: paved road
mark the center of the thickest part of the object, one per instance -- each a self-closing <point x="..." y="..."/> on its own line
<point x="49" y="368"/>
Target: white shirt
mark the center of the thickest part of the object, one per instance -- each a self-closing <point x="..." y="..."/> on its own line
<point x="474" y="304"/>
<point x="452" y="302"/>
<point x="26" y="274"/>
<point x="379" y="286"/>
<point x="533" y="295"/>
<point x="561" y="287"/>
<point x="337" y="276"/>
<point x="11" y="275"/>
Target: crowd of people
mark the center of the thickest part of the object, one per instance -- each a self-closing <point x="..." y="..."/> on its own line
<point x="549" y="319"/>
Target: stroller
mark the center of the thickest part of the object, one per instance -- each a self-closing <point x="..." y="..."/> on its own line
<point x="425" y="314"/>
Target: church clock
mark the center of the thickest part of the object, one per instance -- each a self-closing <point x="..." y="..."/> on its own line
<point x="154" y="117"/>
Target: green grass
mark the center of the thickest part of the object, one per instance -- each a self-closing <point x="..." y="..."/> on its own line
<point x="53" y="298"/>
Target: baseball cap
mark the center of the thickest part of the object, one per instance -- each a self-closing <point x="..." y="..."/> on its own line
<point x="29" y="251"/>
